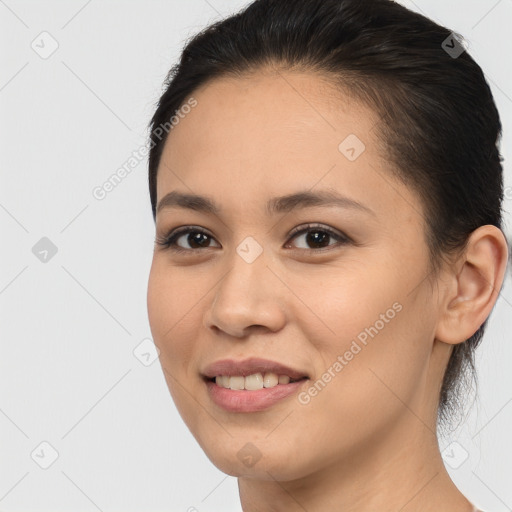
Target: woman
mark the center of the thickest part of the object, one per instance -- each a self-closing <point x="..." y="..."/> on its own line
<point x="326" y="186"/>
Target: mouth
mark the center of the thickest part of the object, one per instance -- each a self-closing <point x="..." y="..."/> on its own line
<point x="252" y="384"/>
<point x="251" y="374"/>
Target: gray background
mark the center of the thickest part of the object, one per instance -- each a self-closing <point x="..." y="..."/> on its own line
<point x="73" y="371"/>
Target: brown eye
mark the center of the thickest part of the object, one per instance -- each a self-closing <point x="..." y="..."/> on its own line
<point x="318" y="236"/>
<point x="196" y="238"/>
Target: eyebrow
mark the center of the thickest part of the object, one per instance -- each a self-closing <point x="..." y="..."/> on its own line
<point x="281" y="204"/>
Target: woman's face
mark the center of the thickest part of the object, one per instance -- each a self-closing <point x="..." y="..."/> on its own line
<point x="346" y="303"/>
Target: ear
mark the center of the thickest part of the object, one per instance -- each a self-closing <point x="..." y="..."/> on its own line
<point x="473" y="286"/>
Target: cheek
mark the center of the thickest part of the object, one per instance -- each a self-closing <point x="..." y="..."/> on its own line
<point x="356" y="398"/>
<point x="171" y="313"/>
<point x="375" y="351"/>
<point x="354" y="303"/>
<point x="160" y="305"/>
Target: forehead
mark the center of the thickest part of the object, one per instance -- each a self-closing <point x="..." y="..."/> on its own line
<point x="278" y="108"/>
<point x="273" y="134"/>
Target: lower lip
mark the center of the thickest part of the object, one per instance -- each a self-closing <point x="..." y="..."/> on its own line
<point x="251" y="401"/>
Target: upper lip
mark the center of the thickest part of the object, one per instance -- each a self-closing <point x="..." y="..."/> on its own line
<point x="250" y="366"/>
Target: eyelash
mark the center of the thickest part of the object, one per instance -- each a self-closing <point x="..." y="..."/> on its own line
<point x="168" y="242"/>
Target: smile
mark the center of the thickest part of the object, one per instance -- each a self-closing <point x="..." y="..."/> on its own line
<point x="252" y="382"/>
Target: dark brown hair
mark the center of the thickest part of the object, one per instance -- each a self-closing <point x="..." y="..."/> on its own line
<point x="439" y="123"/>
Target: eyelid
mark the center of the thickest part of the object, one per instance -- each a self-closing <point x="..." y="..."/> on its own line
<point x="320" y="227"/>
<point x="168" y="241"/>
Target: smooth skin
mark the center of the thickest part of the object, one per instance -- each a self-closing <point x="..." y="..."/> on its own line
<point x="367" y="441"/>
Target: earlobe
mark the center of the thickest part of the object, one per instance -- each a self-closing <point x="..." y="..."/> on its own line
<point x="478" y="276"/>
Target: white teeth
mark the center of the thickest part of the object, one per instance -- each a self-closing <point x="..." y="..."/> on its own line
<point x="251" y="382"/>
<point x="270" y="380"/>
<point x="236" y="382"/>
<point x="254" y="382"/>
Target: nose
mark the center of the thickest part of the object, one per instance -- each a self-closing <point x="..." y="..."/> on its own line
<point x="248" y="297"/>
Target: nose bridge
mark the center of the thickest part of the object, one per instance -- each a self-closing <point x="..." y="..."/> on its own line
<point x="246" y="277"/>
<point x="244" y="296"/>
